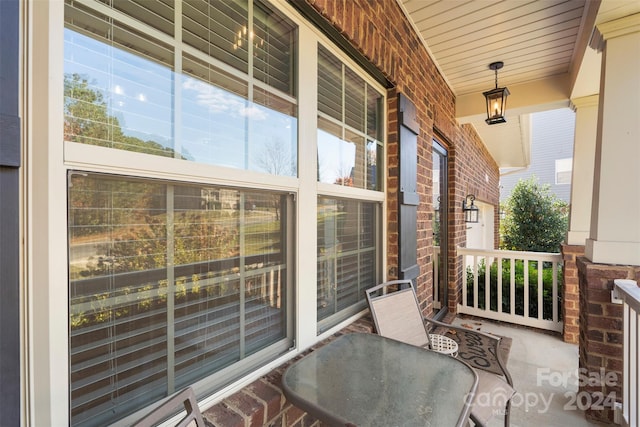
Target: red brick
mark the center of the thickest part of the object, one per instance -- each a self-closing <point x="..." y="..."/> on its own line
<point x="595" y="309"/>
<point x="293" y="415"/>
<point x="595" y="335"/>
<point x="248" y="406"/>
<point x="605" y="323"/>
<point x="613" y="310"/>
<point x="268" y="394"/>
<point x="614" y="337"/>
<point x="605" y="349"/>
<point x="615" y="365"/>
<point x="222" y="415"/>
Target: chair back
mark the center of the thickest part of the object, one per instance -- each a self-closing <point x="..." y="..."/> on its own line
<point x="396" y="312"/>
<point x="184" y="400"/>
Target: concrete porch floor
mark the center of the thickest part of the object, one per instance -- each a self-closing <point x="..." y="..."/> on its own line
<point x="539" y="363"/>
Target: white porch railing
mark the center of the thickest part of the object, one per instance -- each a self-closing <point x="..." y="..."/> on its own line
<point x="503" y="295"/>
<point x="629" y="293"/>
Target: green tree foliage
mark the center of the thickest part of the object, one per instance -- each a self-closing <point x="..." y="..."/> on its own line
<point x="87" y="120"/>
<point x="536" y="220"/>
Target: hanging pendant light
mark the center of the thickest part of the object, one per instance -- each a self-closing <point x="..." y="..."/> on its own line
<point x="496" y="99"/>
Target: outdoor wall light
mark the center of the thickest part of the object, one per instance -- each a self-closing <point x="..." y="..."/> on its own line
<point x="496" y="99"/>
<point x="470" y="211"/>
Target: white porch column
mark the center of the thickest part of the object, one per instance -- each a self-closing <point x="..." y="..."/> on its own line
<point x="584" y="149"/>
<point x="615" y="215"/>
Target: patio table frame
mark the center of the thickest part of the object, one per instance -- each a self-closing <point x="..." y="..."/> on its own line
<point x="368" y="380"/>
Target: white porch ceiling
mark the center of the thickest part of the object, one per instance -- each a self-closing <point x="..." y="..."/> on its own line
<point x="544" y="47"/>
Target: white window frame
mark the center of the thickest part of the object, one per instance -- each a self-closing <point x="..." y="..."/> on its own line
<point x="563" y="165"/>
<point x="47" y="160"/>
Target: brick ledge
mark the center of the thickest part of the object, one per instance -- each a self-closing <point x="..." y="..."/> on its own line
<point x="262" y="402"/>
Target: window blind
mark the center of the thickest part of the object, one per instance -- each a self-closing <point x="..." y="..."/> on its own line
<point x="169" y="284"/>
<point x="346" y="254"/>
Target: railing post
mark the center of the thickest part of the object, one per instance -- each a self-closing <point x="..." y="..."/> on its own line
<point x="628" y="293"/>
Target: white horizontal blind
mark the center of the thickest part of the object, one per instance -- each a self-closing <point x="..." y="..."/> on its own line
<point x="347" y="255"/>
<point x="223" y="94"/>
<point x="350" y="148"/>
<point x="169" y="284"/>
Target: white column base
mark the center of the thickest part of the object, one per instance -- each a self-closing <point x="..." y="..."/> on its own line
<point x="620" y="253"/>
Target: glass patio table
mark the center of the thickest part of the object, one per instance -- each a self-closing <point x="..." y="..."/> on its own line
<point x="368" y="380"/>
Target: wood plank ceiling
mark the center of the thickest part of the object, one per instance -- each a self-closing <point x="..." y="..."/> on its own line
<point x="535" y="39"/>
<point x="540" y="43"/>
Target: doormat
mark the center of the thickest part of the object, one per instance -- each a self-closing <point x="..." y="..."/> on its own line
<point x="479" y="349"/>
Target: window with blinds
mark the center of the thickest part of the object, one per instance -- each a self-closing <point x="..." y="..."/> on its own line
<point x="169" y="284"/>
<point x="216" y="86"/>
<point x="176" y="283"/>
<point x="350" y="134"/>
<point x="347" y="256"/>
<point x="350" y="154"/>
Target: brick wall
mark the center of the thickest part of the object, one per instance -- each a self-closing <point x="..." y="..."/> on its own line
<point x="396" y="50"/>
<point x="472" y="170"/>
<point x="601" y="328"/>
<point x="571" y="292"/>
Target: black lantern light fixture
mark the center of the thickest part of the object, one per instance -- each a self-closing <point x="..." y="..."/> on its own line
<point x="470" y="210"/>
<point x="496" y="99"/>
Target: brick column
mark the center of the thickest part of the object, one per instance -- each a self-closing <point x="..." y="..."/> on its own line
<point x="571" y="293"/>
<point x="601" y="335"/>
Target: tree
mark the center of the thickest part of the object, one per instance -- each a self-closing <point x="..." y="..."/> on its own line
<point x="535" y="219"/>
<point x="87" y="120"/>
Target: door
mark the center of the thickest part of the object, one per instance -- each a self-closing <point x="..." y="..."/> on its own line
<point x="440" y="202"/>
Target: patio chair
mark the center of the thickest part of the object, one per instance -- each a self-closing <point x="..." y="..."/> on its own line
<point x="183" y="400"/>
<point x="396" y="314"/>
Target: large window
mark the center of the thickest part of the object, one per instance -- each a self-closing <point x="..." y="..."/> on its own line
<point x="187" y="210"/>
<point x="350" y="154"/>
<point x="176" y="281"/>
<point x="168" y="284"/>
<point x="224" y="96"/>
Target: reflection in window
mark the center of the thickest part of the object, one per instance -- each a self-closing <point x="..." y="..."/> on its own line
<point x="168" y="284"/>
<point x="230" y="103"/>
<point x="350" y="149"/>
<point x="347" y="254"/>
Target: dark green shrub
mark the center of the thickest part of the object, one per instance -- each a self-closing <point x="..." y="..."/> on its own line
<point x="519" y="309"/>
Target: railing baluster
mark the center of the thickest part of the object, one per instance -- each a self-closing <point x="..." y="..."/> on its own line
<point x="499" y="261"/>
<point x="540" y="289"/>
<point x="632" y="379"/>
<point x="512" y="287"/>
<point x="526" y="302"/>
<point x="554" y="293"/>
<point x="475" y="281"/>
<point x="629" y="293"/>
<point x="487" y="284"/>
<point x="545" y="317"/>
<point x="626" y="391"/>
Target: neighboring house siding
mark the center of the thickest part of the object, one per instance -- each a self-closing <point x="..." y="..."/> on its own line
<point x="552" y="139"/>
